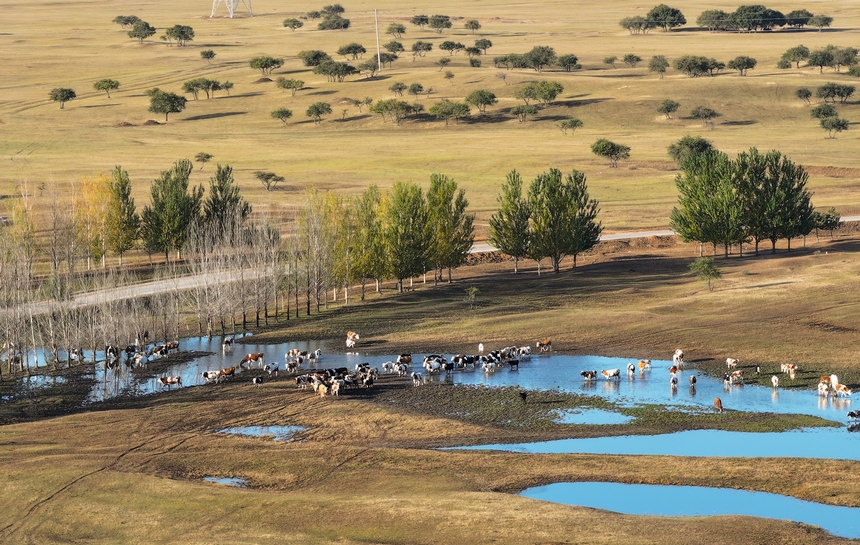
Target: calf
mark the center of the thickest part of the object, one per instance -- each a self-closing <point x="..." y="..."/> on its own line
<point x="405" y="359"/>
<point x="611" y="373"/>
<point x="172" y="345"/>
<point x="588" y="375"/>
<point x="227" y="342"/>
<point x="544" y="345"/>
<point x="351" y="338"/>
<point x="257" y="381"/>
<point x="673" y="370"/>
<point x="824" y="389"/>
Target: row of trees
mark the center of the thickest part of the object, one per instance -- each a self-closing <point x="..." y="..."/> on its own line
<point x="747" y="18"/>
<point x="830" y="56"/>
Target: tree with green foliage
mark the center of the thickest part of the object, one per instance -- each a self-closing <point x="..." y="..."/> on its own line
<point x="447" y="110"/>
<point x="820" y="21"/>
<point x="333" y="22"/>
<point x="313" y="57"/>
<point x="659" y="64"/>
<point x="834" y="124"/>
<point x="369" y="67"/>
<point x="293" y="24"/>
<point x="827" y="221"/>
<point x="368" y="249"/>
<point x="397" y="30"/>
<point x="689" y="146"/>
<point x="122" y="221"/>
<point x="181" y="33"/>
<point x="227" y="85"/>
<point x="636" y="25"/>
<point x="569" y="125"/>
<point x="141" y="30"/>
<point x="270" y="180"/>
<point x="317" y="110"/>
<point x="803" y="94"/>
<point x="668" y="107"/>
<point x="406" y="231"/>
<point x="796" y="55"/>
<point x="562" y="217"/>
<point x="439" y="23"/>
<point x="742" y="64"/>
<point x="692" y="65"/>
<point x="224" y="205"/>
<point x="292" y="84"/>
<point x="451" y="46"/>
<point x="705" y="269"/>
<point x="473" y="52"/>
<point x="449" y="76"/>
<point x="704" y="113"/>
<point x="397" y="88"/>
<point x="415" y="89"/>
<point x="193" y="87"/>
<point x="823" y="111"/>
<point x="544" y="92"/>
<point x="451" y="226"/>
<point x="266" y="64"/>
<point x="106" y="85"/>
<point x="473" y="25"/>
<point x="541" y="56"/>
<point x="207" y="55"/>
<point x="631" y="60"/>
<point x="481" y="98"/>
<point x="820" y="58"/>
<point x="843" y="56"/>
<point x="798" y="18"/>
<point x="394" y="47"/>
<point x="509" y="226"/>
<point x="484" y="44"/>
<point x="568" y="62"/>
<point x="522" y="111"/>
<point x="203" y="158"/>
<point x="164" y="224"/>
<point x="354" y="50"/>
<point x="442" y="62"/>
<point x="830" y="92"/>
<point x="335" y="71"/>
<point x="282" y="114"/>
<point x="665" y="17"/>
<point x="126" y="21"/>
<point x="610" y="150"/>
<point x="397" y="110"/>
<point x="166" y="103"/>
<point x="714" y="19"/>
<point x="610" y="60"/>
<point x="756" y="17"/>
<point x="420" y="21"/>
<point x="421" y="48"/>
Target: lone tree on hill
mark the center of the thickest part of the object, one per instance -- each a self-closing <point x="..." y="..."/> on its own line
<point x="181" y="33"/>
<point x="207" y="54"/>
<point x="282" y="114"/>
<point x="317" y="110"/>
<point x="203" y="158"/>
<point x="610" y="150"/>
<point x="397" y="88"/>
<point x="668" y="107"/>
<point x="610" y="60"/>
<point x="483" y="44"/>
<point x="631" y="60"/>
<point x="707" y="270"/>
<point x="820" y="21"/>
<point x="568" y="62"/>
<point x="293" y="24"/>
<point x="106" y="85"/>
<point x="62" y="95"/>
<point x="540" y="56"/>
<point x="481" y="99"/>
<point x="742" y="64"/>
<point x="473" y="25"/>
<point x="166" y="103"/>
<point x="394" y="47"/>
<point x="420" y="21"/>
<point x="355" y="50"/>
<point x="703" y="113"/>
<point x="141" y="30"/>
<point x="314" y="57"/>
<point x="396" y="29"/>
<point x="268" y="179"/>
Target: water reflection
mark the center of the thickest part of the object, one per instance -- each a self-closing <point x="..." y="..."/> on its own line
<point x="590" y="416"/>
<point x="229" y="481"/>
<point x="278" y="433"/>
<point x="689" y="501"/>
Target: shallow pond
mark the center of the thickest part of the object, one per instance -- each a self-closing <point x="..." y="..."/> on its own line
<point x="228" y="481"/>
<point x="278" y="433"/>
<point x="696" y="501"/>
<point x="590" y="416"/>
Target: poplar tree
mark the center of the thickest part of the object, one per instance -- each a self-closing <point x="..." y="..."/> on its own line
<point x="407" y="238"/>
<point x="369" y="259"/>
<point x="123" y="221"/>
<point x="165" y="222"/>
<point x="453" y="231"/>
<point x="224" y="203"/>
<point x="509" y="227"/>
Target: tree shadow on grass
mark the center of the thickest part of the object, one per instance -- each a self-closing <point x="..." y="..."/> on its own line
<point x="332" y="92"/>
<point x="621" y="76"/>
<point x="243" y="95"/>
<point x="740" y="123"/>
<point x="213" y="116"/>
<point x="576" y="103"/>
<point x="100" y="106"/>
<point x="485" y="118"/>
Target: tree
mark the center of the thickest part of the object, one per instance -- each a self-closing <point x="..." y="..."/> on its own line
<point x="610" y="150"/>
<point x="227" y="85"/>
<point x="335" y="71"/>
<point x="522" y="111"/>
<point x="714" y="19"/>
<point x="447" y="110"/>
<point x="268" y="179"/>
<point x="141" y="30"/>
<point x="610" y="60"/>
<point x="843" y="56"/>
<point x="122" y="222"/>
<point x="665" y="17"/>
<point x="366" y="101"/>
<point x="705" y="269"/>
<point x="820" y="58"/>
<point x="509" y="226"/>
<point x="659" y="64"/>
<point x="194" y="86"/>
<point x="668" y="107"/>
<point x="562" y="216"/>
<point x="166" y="103"/>
<point x="451" y="46"/>
<point x="543" y="92"/>
<point x="631" y="60"/>
<point x="397" y="88"/>
<point x="292" y="84"/>
<point x="755" y="17"/>
<point x="313" y="57"/>
<point x="224" y="205"/>
<point x="692" y="65"/>
<point x="449" y="76"/>
<point x="796" y="54"/>
<point x="834" y="124"/>
<point x="688" y="146"/>
<point x="439" y="23"/>
<point x="823" y="111"/>
<point x="832" y="91"/>
<point x="165" y="222"/>
<point x="803" y="94"/>
<point x="569" y="125"/>
<point x="415" y="89"/>
<point x="62" y="95"/>
<point x="483" y="44"/>
<point x="333" y="22"/>
<point x="473" y="25"/>
<point x="312" y="15"/>
<point x="181" y="33"/>
<point x="203" y="158"/>
<point x="405" y="231"/>
<point x="106" y="85"/>
<point x="820" y="21"/>
<point x="452" y="228"/>
<point x="420" y="21"/>
<point x="827" y="221"/>
<point x="442" y="62"/>
<point x="636" y="25"/>
<point x="481" y="99"/>
<point x="370" y="66"/>
<point x="798" y="18"/>
<point x="317" y="110"/>
<point x="421" y="48"/>
<point x="282" y="114"/>
<point x="293" y="24"/>
<point x="540" y="56"/>
<point x="704" y="113"/>
<point x="475" y="63"/>
<point x="568" y="62"/>
<point x="355" y="50"/>
<point x="396" y="29"/>
<point x="396" y="109"/>
<point x="126" y="21"/>
<point x="394" y="47"/>
<point x="208" y="55"/>
<point x="742" y="64"/>
<point x="473" y="52"/>
<point x="266" y="64"/>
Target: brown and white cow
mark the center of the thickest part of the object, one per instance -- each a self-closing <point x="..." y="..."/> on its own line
<point x="544" y="345"/>
<point x="170" y="381"/>
<point x="351" y="338"/>
<point x="588" y="375"/>
<point x="252" y="358"/>
<point x="731" y="363"/>
<point x="611" y="373"/>
<point x="644" y="364"/>
<point x="842" y="390"/>
<point x="678" y="357"/>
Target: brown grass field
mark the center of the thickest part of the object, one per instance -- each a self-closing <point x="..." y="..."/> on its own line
<point x="130" y="471"/>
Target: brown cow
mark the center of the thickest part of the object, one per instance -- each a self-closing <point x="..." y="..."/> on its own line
<point x="718" y="404"/>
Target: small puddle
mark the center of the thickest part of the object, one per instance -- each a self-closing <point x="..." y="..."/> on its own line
<point x="697" y="501"/>
<point x="228" y="481"/>
<point x="590" y="416"/>
<point x="278" y="433"/>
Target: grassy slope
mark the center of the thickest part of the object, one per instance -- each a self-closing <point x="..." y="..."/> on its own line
<point x="56" y="147"/>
